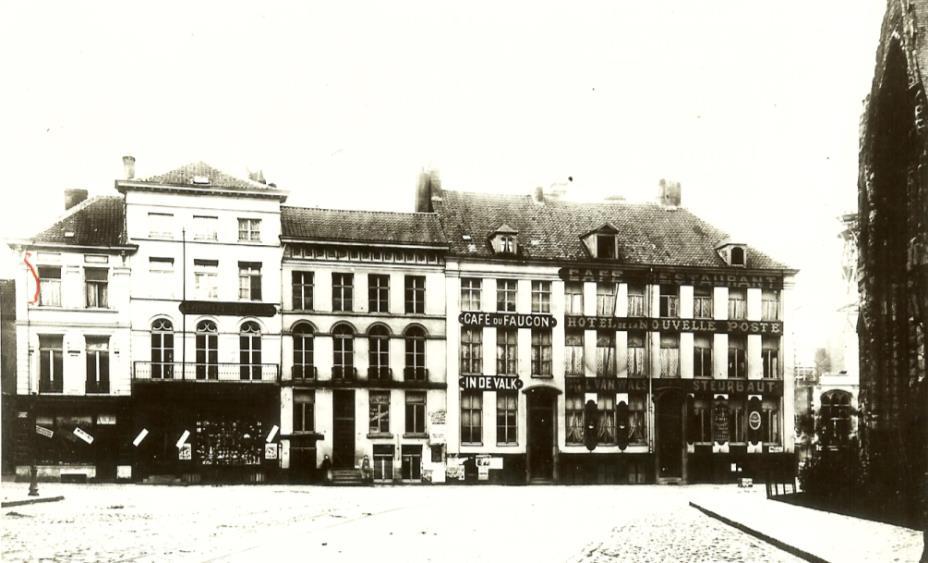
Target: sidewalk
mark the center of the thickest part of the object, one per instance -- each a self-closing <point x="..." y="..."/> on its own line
<point x="811" y="534"/>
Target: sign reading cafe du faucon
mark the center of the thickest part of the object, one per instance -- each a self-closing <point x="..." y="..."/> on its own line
<point x="507" y="320"/>
<point x="674" y="325"/>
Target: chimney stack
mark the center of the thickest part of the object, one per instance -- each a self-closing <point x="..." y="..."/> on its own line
<point x="429" y="185"/>
<point x="669" y="193"/>
<point x="74" y="196"/>
<point x="257" y="176"/>
<point x="128" y="165"/>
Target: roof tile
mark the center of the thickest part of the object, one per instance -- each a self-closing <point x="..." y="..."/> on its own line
<point x="97" y="221"/>
<point x="361" y="226"/>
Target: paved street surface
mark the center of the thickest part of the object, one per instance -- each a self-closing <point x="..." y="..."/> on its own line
<point x="411" y="523"/>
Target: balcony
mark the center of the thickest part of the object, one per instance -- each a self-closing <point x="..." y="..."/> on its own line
<point x="345" y="373"/>
<point x="301" y="372"/>
<point x="415" y="374"/>
<point x="213" y="372"/>
<point x="379" y="373"/>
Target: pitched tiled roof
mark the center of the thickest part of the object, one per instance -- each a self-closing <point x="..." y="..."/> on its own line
<point x="648" y="234"/>
<point x="361" y="226"/>
<point x="185" y="175"/>
<point x="97" y="221"/>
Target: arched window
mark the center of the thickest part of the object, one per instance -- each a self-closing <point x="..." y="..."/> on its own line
<point x="415" y="354"/>
<point x="835" y="417"/>
<point x="379" y="354"/>
<point x="303" y="367"/>
<point x="207" y="366"/>
<point x="162" y="349"/>
<point x="249" y="346"/>
<point x="343" y="356"/>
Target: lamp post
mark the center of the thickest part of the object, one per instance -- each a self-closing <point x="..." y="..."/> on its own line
<point x="33" y="473"/>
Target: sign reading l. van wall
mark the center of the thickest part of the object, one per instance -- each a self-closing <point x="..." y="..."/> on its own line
<point x="507" y="320"/>
<point x="674" y="325"/>
<point x="490" y="382"/>
<point x="670" y="277"/>
<point x="766" y="387"/>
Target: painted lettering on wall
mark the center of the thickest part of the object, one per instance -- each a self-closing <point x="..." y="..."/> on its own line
<point x="674" y="325"/>
<point x="766" y="387"/>
<point x="507" y="320"/>
<point x="490" y="382"/>
<point x="703" y="279"/>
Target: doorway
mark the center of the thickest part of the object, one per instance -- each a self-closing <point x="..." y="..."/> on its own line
<point x="669" y="436"/>
<point x="343" y="429"/>
<point x="541" y="428"/>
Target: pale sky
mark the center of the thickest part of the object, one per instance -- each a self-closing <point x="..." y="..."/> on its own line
<point x="754" y="107"/>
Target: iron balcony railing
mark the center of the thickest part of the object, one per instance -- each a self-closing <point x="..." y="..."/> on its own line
<point x="415" y="373"/>
<point x="206" y="372"/>
<point x="303" y="371"/>
<point x="345" y="373"/>
<point x="379" y="373"/>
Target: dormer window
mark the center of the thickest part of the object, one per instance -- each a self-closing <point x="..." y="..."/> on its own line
<point x="605" y="246"/>
<point x="734" y="254"/>
<point x="505" y="240"/>
<point x="737" y="256"/>
<point x="602" y="242"/>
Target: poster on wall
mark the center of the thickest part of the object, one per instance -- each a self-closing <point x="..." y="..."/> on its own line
<point x="270" y="451"/>
<point x="720" y="421"/>
<point x="185" y="452"/>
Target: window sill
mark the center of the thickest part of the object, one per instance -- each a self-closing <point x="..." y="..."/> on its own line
<point x="415" y="435"/>
<point x="378" y="435"/>
<point x="542" y="377"/>
<point x="507" y="445"/>
<point x="302" y="432"/>
<point x="471" y="444"/>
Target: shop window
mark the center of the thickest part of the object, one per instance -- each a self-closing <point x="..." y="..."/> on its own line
<point x="471" y="417"/>
<point x="605" y="354"/>
<point x="65" y="447"/>
<point x="415" y="413"/>
<point x="507" y="415"/>
<point x="302" y="286"/>
<point x="669" y="301"/>
<point x="573" y="415"/>
<point x="304" y="403"/>
<point x="415" y="369"/>
<point x="342" y="291"/>
<point x="162" y="349"/>
<point x="701" y="421"/>
<point x="737" y="362"/>
<point x="229" y="440"/>
<point x="770" y="354"/>
<point x="249" y="230"/>
<point x="205" y="279"/>
<point x="471" y="350"/>
<point x="470" y="294"/>
<point x="737" y="304"/>
<point x="506" y="291"/>
<point x="637" y="417"/>
<point x="541" y="297"/>
<point x="249" y="339"/>
<point x="378" y="293"/>
<point x="573" y="354"/>
<point x="541" y="352"/>
<point x="636" y="304"/>
<point x="573" y="296"/>
<point x="378" y="353"/>
<point x="207" y="355"/>
<point x="96" y="282"/>
<point x="637" y="367"/>
<point x="98" y="364"/>
<point x="702" y="303"/>
<point x="303" y="350"/>
<point x="605" y="419"/>
<point x="249" y="281"/>
<point x="383" y="462"/>
<point x="506" y="351"/>
<point x="50" y="286"/>
<point x="379" y="412"/>
<point x="770" y="416"/>
<point x="737" y="420"/>
<point x="412" y="462"/>
<point x="606" y="299"/>
<point x="702" y="355"/>
<point x="343" y="352"/>
<point x="51" y="376"/>
<point x="415" y="295"/>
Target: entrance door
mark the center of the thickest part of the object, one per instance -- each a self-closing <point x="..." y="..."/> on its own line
<point x="343" y="430"/>
<point x="302" y="462"/>
<point x="670" y="436"/>
<point x="541" y="435"/>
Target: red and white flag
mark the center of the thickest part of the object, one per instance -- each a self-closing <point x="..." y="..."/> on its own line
<point x="35" y="276"/>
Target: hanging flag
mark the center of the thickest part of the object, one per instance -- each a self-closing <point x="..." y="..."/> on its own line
<point x="35" y="276"/>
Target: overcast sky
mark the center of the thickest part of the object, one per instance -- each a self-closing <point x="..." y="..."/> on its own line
<point x="754" y="107"/>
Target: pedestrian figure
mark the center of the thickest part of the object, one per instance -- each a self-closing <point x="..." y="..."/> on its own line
<point x="326" y="468"/>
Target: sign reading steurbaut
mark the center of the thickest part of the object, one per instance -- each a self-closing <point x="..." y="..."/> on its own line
<point x="674" y="325"/>
<point x="507" y="320"/>
<point x="766" y="387"/>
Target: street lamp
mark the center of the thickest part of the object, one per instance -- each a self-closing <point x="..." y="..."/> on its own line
<point x="33" y="476"/>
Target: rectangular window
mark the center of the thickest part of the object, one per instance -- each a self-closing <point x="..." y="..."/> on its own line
<point x="770" y="421"/>
<point x="506" y="295"/>
<point x="507" y="413"/>
<point x="770" y="305"/>
<point x="302" y="291"/>
<point x="541" y="297"/>
<point x="249" y="230"/>
<point x="606" y="299"/>
<point x="205" y="227"/>
<point x="573" y="298"/>
<point x="702" y="355"/>
<point x="506" y="351"/>
<point x="383" y="462"/>
<point x="573" y="414"/>
<point x="737" y="362"/>
<point x="702" y="303"/>
<point x="304" y="411"/>
<point x="541" y="353"/>
<point x="98" y="364"/>
<point x="205" y="279"/>
<point x="470" y="294"/>
<point x="736" y="420"/>
<point x="412" y="462"/>
<point x="770" y="354"/>
<point x="605" y="354"/>
<point x="605" y="419"/>
<point x="415" y="412"/>
<point x="249" y="281"/>
<point x="50" y="286"/>
<point x="573" y="353"/>
<point x="636" y="364"/>
<point x="737" y="305"/>
<point x="161" y="225"/>
<point x="342" y="291"/>
<point x="701" y="421"/>
<point x="636" y="306"/>
<point x="670" y="355"/>
<point x="415" y="295"/>
<point x="378" y="293"/>
<point x="51" y="378"/>
<point x="471" y="417"/>
<point x="637" y="417"/>
<point x="670" y="301"/>
<point x="380" y="412"/>
<point x="471" y="350"/>
<point x="96" y="281"/>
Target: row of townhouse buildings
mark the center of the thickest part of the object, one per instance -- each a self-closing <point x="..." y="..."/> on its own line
<point x="194" y="327"/>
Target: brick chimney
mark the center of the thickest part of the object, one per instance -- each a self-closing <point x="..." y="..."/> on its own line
<point x="73" y="197"/>
<point x="128" y="166"/>
<point x="429" y="186"/>
<point x="668" y="193"/>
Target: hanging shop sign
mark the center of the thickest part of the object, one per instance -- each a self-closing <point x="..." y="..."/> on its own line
<point x="667" y="277"/>
<point x="766" y="387"/>
<point x="507" y="320"/>
<point x="490" y="383"/>
<point x="673" y="325"/>
<point x="755" y="420"/>
<point x="140" y="437"/>
<point x="42" y="431"/>
<point x="720" y="421"/>
<point x="83" y="435"/>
